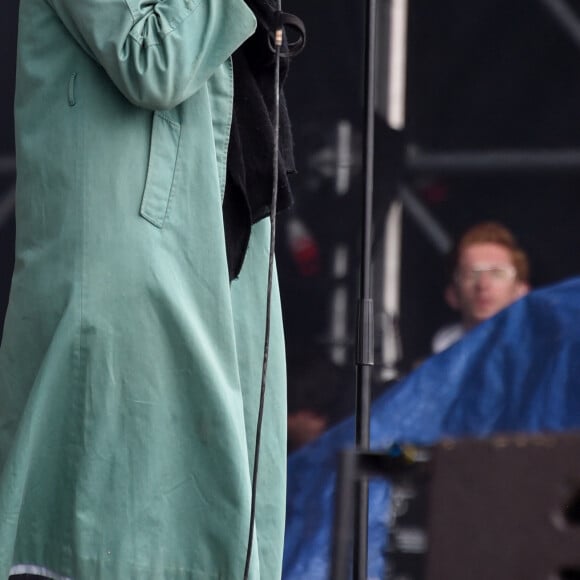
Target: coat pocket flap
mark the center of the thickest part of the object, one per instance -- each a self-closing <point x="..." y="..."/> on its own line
<point x="164" y="147"/>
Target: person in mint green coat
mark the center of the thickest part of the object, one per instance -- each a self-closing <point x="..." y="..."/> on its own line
<point x="130" y="363"/>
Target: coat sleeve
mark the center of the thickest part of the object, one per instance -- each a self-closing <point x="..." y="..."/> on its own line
<point x="157" y="52"/>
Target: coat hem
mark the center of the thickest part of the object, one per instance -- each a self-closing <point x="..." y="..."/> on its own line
<point x="37" y="571"/>
<point x="97" y="570"/>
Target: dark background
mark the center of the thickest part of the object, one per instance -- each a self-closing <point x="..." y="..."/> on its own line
<point x="482" y="75"/>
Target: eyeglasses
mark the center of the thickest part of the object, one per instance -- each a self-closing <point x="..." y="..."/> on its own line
<point x="498" y="273"/>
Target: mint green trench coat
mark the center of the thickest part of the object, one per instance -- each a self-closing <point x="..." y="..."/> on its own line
<point x="130" y="366"/>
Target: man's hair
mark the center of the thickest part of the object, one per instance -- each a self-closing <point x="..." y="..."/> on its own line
<point x="493" y="233"/>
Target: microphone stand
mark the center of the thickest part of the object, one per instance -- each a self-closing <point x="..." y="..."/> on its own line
<point x="365" y="315"/>
<point x="352" y="491"/>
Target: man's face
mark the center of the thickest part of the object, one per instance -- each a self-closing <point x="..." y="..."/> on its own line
<point x="485" y="282"/>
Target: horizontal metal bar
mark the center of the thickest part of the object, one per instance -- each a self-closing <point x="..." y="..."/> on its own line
<point x="512" y="161"/>
<point x="387" y="465"/>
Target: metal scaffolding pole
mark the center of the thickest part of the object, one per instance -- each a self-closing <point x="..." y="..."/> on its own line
<point x="418" y="161"/>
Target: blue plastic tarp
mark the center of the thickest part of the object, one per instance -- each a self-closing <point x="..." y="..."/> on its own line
<point x="517" y="372"/>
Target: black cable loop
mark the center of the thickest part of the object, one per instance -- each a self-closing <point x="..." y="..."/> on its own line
<point x="281" y="21"/>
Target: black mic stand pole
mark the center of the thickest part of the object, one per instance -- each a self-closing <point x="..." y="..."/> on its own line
<point x="365" y="317"/>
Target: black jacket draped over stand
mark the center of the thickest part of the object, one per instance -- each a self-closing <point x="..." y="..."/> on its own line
<point x="249" y="181"/>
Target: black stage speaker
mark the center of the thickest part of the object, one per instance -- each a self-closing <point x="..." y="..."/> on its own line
<point x="505" y="508"/>
<point x="501" y="508"/>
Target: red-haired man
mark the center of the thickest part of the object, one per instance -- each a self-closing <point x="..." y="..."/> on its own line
<point x="489" y="272"/>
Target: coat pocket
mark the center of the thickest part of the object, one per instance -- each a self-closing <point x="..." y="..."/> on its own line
<point x="163" y="152"/>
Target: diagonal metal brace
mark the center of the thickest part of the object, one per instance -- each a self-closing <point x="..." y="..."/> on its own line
<point x="566" y="17"/>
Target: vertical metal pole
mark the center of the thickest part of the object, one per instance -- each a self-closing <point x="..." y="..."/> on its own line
<point x="342" y="534"/>
<point x="365" y="334"/>
<point x="390" y="291"/>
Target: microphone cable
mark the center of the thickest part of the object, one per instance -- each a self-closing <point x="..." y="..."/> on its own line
<point x="275" y="39"/>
